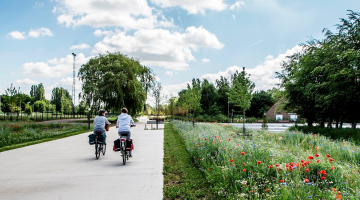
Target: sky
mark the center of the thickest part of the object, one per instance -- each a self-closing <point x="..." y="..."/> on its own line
<point x="178" y="39"/>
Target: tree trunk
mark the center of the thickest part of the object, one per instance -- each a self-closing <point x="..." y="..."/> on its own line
<point x="322" y="122"/>
<point x="244" y="121"/>
<point x="310" y="122"/>
<point x="341" y="122"/>
<point x="353" y="124"/>
<point x="329" y="125"/>
<point x="337" y="123"/>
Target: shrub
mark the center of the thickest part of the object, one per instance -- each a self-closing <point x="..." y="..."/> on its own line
<point x="333" y="133"/>
<point x="28" y="109"/>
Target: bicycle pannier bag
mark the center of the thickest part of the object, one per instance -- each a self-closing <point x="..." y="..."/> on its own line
<point x="116" y="145"/>
<point x="91" y="139"/>
<point x="107" y="126"/>
<point x="129" y="144"/>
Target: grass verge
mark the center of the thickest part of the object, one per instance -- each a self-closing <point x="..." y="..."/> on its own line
<point x="182" y="180"/>
<point x="15" y="146"/>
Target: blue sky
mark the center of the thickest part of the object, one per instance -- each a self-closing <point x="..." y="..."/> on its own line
<point x="178" y="39"/>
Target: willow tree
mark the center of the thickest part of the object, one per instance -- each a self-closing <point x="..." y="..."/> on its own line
<point x="113" y="81"/>
<point x="240" y="93"/>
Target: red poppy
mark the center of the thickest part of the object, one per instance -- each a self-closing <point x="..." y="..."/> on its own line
<point x="277" y="165"/>
<point x="242" y="153"/>
<point x="332" y="168"/>
<point x="244" y="164"/>
<point x="229" y="139"/>
<point x="281" y="181"/>
<point x="258" y="162"/>
<point x="244" y="170"/>
<point x="306" y="180"/>
<point x="327" y="155"/>
<point x="318" y="161"/>
<point x="339" y="193"/>
<point x="219" y="140"/>
<point x="214" y="141"/>
<point x="322" y="178"/>
<point x="306" y="170"/>
<point x="205" y="139"/>
<point x="270" y="166"/>
<point x="231" y="160"/>
<point x="316" y="155"/>
<point x="301" y="161"/>
<point x="310" y="157"/>
<point x="331" y="159"/>
<point x="323" y="172"/>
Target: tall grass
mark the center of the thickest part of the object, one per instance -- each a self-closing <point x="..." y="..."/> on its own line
<point x="288" y="165"/>
<point x="17" y="133"/>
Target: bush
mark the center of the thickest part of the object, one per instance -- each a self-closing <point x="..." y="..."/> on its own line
<point x="333" y="133"/>
<point x="28" y="109"/>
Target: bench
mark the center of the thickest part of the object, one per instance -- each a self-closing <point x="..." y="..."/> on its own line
<point x="153" y="122"/>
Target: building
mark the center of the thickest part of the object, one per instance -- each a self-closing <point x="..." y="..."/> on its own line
<point x="277" y="114"/>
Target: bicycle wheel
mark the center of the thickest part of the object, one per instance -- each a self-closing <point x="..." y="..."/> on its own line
<point x="97" y="150"/>
<point x="124" y="157"/>
<point x="103" y="149"/>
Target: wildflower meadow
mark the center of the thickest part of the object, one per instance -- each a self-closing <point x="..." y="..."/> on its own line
<point x="287" y="165"/>
<point x="21" y="132"/>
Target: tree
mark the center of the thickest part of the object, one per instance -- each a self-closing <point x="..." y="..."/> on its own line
<point x="61" y="98"/>
<point x="28" y="109"/>
<point x="208" y="96"/>
<point x="193" y="97"/>
<point x="240" y="92"/>
<point x="223" y="87"/>
<point x="156" y="93"/>
<point x="11" y="92"/>
<point x="37" y="92"/>
<point x="114" y="81"/>
<point x="260" y="103"/>
<point x="40" y="106"/>
<point x="172" y="105"/>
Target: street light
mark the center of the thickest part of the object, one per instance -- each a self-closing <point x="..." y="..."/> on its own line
<point x="73" y="88"/>
<point x="89" y="109"/>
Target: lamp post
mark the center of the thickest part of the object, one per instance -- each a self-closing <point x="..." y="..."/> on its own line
<point x="89" y="109"/>
<point x="73" y="89"/>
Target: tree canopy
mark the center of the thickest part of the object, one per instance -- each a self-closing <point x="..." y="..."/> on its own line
<point x="114" y="80"/>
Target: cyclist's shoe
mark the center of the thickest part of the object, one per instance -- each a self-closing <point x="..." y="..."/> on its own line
<point x="130" y="155"/>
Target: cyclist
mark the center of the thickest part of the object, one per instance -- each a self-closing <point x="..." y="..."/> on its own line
<point x="99" y="123"/>
<point x="123" y="123"/>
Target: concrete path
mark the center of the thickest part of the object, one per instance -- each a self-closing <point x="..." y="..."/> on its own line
<point x="67" y="169"/>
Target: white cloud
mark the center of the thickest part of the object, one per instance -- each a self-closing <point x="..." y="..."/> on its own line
<point x="39" y="4"/>
<point x="59" y="68"/>
<point x="54" y="9"/>
<point x="262" y="75"/>
<point x="170" y="73"/>
<point x="80" y="46"/>
<point x="129" y="14"/>
<point x="27" y="81"/>
<point x="17" y="35"/>
<point x="233" y="16"/>
<point x="32" y="33"/>
<point x="171" y="50"/>
<point x="40" y="32"/>
<point x="205" y="60"/>
<point x="237" y="5"/>
<point x="99" y="32"/>
<point x="193" y="7"/>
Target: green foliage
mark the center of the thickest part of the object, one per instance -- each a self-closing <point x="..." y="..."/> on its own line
<point x="264" y="125"/>
<point x="193" y="97"/>
<point x="28" y="109"/>
<point x="322" y="82"/>
<point x="37" y="92"/>
<point x="172" y="105"/>
<point x="270" y="166"/>
<point x="182" y="180"/>
<point x="40" y="106"/>
<point x="17" y="133"/>
<point x="333" y="133"/>
<point x="260" y="103"/>
<point x="116" y="81"/>
<point x="61" y="98"/>
<point x="241" y="91"/>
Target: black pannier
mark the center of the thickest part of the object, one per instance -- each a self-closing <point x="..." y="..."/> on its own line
<point x="129" y="145"/>
<point x="116" y="145"/>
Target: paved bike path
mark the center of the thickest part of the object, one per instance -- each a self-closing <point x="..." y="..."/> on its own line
<point x="67" y="169"/>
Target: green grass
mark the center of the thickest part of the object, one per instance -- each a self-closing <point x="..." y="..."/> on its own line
<point x="15" y="135"/>
<point x="15" y="146"/>
<point x="182" y="180"/>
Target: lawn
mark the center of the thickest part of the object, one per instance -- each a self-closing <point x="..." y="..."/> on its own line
<point x="288" y="165"/>
<point x="15" y="135"/>
<point x="182" y="180"/>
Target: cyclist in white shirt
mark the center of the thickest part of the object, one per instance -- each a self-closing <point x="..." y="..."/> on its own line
<point x="123" y="123"/>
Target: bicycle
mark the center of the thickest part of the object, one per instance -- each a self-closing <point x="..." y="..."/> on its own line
<point x="100" y="145"/>
<point x="125" y="152"/>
